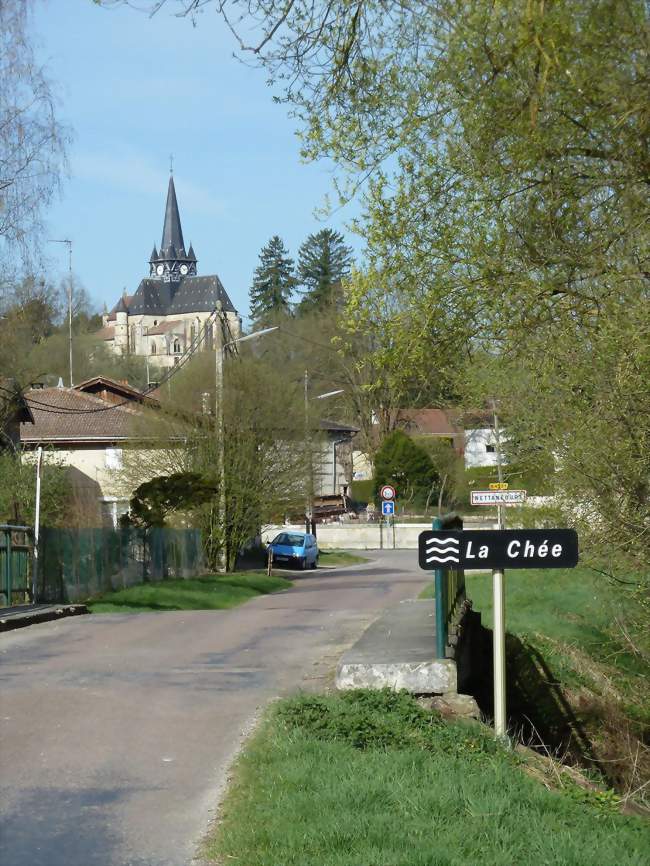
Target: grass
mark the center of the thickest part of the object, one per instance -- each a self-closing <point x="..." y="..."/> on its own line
<point x="572" y="671"/>
<point x="339" y="557"/>
<point x="373" y="779"/>
<point x="212" y="592"/>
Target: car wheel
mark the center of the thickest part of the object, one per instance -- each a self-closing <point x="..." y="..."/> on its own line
<point x="315" y="563"/>
<point x="302" y="564"/>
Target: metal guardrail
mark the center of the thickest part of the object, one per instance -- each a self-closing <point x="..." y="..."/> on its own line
<point x="450" y="594"/>
<point x="15" y="564"/>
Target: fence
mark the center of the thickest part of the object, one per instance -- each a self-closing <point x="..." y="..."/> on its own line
<point x="15" y="561"/>
<point x="75" y="564"/>
<point x="450" y="595"/>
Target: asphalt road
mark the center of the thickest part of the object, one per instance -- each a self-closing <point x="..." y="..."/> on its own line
<point x="117" y="729"/>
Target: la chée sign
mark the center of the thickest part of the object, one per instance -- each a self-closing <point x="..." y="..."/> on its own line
<point x="499" y="548"/>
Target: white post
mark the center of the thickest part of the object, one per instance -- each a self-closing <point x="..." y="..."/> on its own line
<point x="499" y="652"/>
<point x="37" y="521"/>
<point x="499" y="609"/>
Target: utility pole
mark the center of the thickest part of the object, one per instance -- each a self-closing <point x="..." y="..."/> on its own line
<point x="309" y="493"/>
<point x="218" y="421"/>
<point x="69" y="244"/>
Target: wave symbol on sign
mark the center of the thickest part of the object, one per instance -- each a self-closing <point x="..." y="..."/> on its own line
<point x="443" y="550"/>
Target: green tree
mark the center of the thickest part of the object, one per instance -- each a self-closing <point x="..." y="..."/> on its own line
<point x="406" y="465"/>
<point x="323" y="262"/>
<point x="273" y="281"/>
<point x="18" y="490"/>
<point x="32" y="142"/>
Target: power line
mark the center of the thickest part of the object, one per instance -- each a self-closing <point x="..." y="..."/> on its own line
<point x="183" y="359"/>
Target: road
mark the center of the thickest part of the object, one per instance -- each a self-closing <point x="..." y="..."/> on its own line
<point x="117" y="730"/>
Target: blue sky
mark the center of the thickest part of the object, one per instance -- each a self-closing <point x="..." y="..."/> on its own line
<point x="135" y="89"/>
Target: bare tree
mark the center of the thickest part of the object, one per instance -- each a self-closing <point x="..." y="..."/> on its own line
<point x="32" y="142"/>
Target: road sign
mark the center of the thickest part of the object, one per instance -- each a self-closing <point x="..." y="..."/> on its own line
<point x="498" y="497"/>
<point x="499" y="548"/>
<point x="498" y="485"/>
<point x="388" y="492"/>
<point x="387" y="507"/>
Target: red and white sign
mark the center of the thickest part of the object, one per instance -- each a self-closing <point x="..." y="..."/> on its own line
<point x="388" y="492"/>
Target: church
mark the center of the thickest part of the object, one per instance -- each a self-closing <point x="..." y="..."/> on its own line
<point x="172" y="310"/>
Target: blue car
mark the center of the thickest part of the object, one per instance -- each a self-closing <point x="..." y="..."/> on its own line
<point x="295" y="548"/>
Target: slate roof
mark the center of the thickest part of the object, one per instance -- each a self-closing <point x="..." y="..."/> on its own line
<point x="55" y="422"/>
<point x="337" y="427"/>
<point x="172" y="246"/>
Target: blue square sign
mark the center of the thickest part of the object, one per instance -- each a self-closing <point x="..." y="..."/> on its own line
<point x="387" y="508"/>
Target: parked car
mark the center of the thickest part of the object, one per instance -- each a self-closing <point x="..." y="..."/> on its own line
<point x="295" y="548"/>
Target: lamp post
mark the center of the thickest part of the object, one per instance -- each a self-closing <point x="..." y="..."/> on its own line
<point x="69" y="243"/>
<point x="309" y="504"/>
<point x="220" y="351"/>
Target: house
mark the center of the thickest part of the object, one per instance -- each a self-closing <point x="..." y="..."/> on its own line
<point x="333" y="458"/>
<point x="481" y="440"/>
<point x="172" y="309"/>
<point x="86" y="428"/>
<point x="440" y="424"/>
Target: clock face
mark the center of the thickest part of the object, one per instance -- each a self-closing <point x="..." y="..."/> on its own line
<point x="159" y="270"/>
<point x="183" y="269"/>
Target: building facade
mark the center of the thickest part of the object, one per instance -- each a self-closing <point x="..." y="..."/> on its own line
<point x="173" y="309"/>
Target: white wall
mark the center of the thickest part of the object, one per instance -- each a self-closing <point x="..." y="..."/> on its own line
<point x="478" y="443"/>
<point x="358" y="536"/>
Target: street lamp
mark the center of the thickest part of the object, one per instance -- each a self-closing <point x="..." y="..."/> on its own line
<point x="220" y="351"/>
<point x="69" y="243"/>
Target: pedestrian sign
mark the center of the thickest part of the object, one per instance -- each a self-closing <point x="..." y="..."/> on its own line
<point x="387" y="508"/>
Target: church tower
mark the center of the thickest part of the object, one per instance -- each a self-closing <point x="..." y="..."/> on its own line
<point x="171" y="264"/>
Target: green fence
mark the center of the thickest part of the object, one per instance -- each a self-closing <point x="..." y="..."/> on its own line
<point x="450" y="595"/>
<point x="15" y="565"/>
<point x="75" y="564"/>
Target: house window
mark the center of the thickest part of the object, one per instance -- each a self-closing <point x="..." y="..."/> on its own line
<point x="153" y="348"/>
<point x="155" y="322"/>
<point x="491" y="449"/>
<point x="113" y="458"/>
<point x="132" y="338"/>
<point x="177" y="347"/>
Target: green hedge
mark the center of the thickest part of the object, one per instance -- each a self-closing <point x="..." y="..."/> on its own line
<point x="361" y="491"/>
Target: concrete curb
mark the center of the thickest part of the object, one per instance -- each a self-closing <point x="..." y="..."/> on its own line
<point x="23" y="618"/>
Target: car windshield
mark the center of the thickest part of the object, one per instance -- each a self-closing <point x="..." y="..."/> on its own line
<point x="290" y="539"/>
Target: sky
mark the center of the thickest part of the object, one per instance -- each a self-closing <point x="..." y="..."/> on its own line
<point x="136" y="89"/>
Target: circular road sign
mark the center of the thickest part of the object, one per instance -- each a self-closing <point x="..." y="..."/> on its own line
<point x="388" y="492"/>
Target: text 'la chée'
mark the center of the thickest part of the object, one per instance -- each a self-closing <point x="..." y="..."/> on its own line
<point x="515" y="550"/>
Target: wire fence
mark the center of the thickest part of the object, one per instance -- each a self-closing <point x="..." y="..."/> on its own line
<point x="76" y="564"/>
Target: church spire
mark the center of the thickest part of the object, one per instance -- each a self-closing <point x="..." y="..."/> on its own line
<point x="171" y="262"/>
<point x="172" y="246"/>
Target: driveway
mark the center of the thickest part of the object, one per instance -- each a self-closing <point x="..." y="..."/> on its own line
<point x="117" y="729"/>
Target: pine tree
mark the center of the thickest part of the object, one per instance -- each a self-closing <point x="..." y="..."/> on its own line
<point x="323" y="261"/>
<point x="273" y="281"/>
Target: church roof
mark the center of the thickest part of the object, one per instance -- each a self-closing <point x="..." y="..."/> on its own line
<point x="198" y="294"/>
<point x="172" y="245"/>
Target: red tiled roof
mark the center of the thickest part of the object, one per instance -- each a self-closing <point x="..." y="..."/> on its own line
<point x="106" y="333"/>
<point x="66" y="414"/>
<point x="164" y="327"/>
<point x="428" y="422"/>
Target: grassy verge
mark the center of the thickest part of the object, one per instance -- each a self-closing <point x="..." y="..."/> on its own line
<point x="213" y="592"/>
<point x="573" y="671"/>
<point x="373" y="779"/>
<point x="339" y="557"/>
